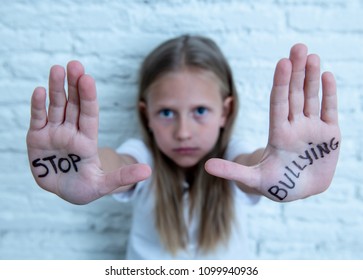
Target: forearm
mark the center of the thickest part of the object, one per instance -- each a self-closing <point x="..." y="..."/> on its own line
<point x="112" y="161"/>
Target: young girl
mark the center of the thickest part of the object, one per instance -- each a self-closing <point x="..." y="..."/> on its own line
<point x="191" y="205"/>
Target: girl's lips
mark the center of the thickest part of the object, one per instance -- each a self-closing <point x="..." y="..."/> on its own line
<point x="186" y="150"/>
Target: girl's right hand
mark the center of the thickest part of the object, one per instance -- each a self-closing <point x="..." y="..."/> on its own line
<point x="62" y="143"/>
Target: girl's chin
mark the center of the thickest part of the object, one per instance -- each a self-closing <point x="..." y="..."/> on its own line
<point x="187" y="163"/>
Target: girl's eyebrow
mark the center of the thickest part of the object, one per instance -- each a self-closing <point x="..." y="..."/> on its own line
<point x="165" y="104"/>
<point x="176" y="105"/>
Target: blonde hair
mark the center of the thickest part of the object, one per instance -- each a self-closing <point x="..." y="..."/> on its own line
<point x="211" y="199"/>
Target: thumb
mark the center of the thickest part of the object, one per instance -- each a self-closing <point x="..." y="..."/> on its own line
<point x="126" y="176"/>
<point x="247" y="175"/>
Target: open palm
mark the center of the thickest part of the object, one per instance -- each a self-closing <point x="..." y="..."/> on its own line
<point x="304" y="137"/>
<point x="62" y="143"/>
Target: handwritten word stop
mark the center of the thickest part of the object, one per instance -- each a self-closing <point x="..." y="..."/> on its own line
<point x="62" y="164"/>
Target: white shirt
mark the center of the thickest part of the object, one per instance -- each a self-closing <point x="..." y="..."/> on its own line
<point x="144" y="242"/>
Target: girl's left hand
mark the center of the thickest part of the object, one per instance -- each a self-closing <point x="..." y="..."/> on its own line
<point x="304" y="140"/>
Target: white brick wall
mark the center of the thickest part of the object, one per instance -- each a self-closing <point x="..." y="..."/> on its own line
<point x="111" y="38"/>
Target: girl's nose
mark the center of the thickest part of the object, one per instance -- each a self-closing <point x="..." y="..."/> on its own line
<point x="183" y="129"/>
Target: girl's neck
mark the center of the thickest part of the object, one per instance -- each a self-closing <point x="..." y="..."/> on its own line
<point x="189" y="175"/>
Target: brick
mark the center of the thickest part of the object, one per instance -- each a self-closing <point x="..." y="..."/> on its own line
<point x="330" y="20"/>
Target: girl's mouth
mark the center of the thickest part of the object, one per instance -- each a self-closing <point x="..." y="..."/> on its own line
<point x="186" y="150"/>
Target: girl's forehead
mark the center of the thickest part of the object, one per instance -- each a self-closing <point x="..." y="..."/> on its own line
<point x="185" y="83"/>
<point x="187" y="74"/>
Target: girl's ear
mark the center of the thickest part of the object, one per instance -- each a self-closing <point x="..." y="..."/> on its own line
<point x="143" y="111"/>
<point x="227" y="108"/>
<point x="142" y="107"/>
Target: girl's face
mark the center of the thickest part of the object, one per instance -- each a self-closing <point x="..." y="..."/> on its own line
<point x="185" y="112"/>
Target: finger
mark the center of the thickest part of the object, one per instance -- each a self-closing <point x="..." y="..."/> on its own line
<point x="57" y="95"/>
<point x="279" y="100"/>
<point x="126" y="176"/>
<point x="74" y="71"/>
<point x="88" y="116"/>
<point x="329" y="106"/>
<point x="298" y="57"/>
<point x="311" y="86"/>
<point x="38" y="115"/>
<point x="233" y="171"/>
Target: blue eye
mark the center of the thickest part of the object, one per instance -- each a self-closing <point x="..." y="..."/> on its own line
<point x="166" y="113"/>
<point x="201" y="111"/>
